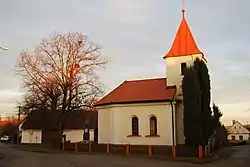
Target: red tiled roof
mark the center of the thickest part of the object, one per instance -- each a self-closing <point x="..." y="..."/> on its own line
<point x="184" y="43"/>
<point x="46" y="120"/>
<point x="5" y="122"/>
<point x="148" y="90"/>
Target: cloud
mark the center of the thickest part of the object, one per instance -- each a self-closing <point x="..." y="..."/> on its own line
<point x="135" y="34"/>
<point x="129" y="9"/>
<point x="233" y="111"/>
<point x="9" y="100"/>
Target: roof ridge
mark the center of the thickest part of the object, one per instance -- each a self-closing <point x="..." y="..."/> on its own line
<point x="146" y="79"/>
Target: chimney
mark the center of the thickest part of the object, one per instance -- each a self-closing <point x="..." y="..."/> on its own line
<point x="234" y="121"/>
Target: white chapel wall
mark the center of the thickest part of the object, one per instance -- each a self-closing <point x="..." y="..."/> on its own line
<point x="179" y="123"/>
<point x="104" y="125"/>
<point x="173" y="68"/>
<point x="114" y="124"/>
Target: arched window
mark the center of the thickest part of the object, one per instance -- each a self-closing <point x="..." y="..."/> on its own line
<point x="183" y="68"/>
<point x="135" y="126"/>
<point x="153" y="126"/>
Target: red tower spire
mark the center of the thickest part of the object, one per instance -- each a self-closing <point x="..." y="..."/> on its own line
<point x="184" y="43"/>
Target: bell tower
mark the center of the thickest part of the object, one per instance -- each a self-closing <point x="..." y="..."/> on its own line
<point x="182" y="54"/>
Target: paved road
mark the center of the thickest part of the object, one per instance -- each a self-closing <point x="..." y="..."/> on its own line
<point x="17" y="158"/>
<point x="241" y="157"/>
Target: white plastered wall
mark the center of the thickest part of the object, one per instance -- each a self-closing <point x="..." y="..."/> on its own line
<point x="173" y="69"/>
<point x="114" y="123"/>
<point x="31" y="136"/>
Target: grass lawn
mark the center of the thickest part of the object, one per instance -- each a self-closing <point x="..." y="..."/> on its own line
<point x="41" y="148"/>
<point x="37" y="148"/>
<point x="223" y="153"/>
<point x="1" y="156"/>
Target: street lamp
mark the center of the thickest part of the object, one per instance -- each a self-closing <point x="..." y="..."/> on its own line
<point x="3" y="48"/>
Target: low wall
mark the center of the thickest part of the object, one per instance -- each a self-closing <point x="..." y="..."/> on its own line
<point x="180" y="150"/>
<point x="187" y="151"/>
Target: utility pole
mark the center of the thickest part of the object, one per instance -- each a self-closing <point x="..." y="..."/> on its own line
<point x="18" y="124"/>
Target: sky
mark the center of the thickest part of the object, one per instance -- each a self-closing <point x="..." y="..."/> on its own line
<point x="135" y="35"/>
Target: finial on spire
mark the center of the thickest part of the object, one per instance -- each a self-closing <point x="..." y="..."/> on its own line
<point x="183" y="8"/>
<point x="183" y="12"/>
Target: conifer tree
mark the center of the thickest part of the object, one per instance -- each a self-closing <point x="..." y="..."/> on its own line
<point x="217" y="114"/>
<point x="192" y="107"/>
<point x="205" y="87"/>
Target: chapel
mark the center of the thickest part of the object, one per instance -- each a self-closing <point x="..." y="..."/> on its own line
<point x="150" y="111"/>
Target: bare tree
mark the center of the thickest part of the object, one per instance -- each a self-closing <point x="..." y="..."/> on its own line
<point x="35" y="99"/>
<point x="60" y="74"/>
